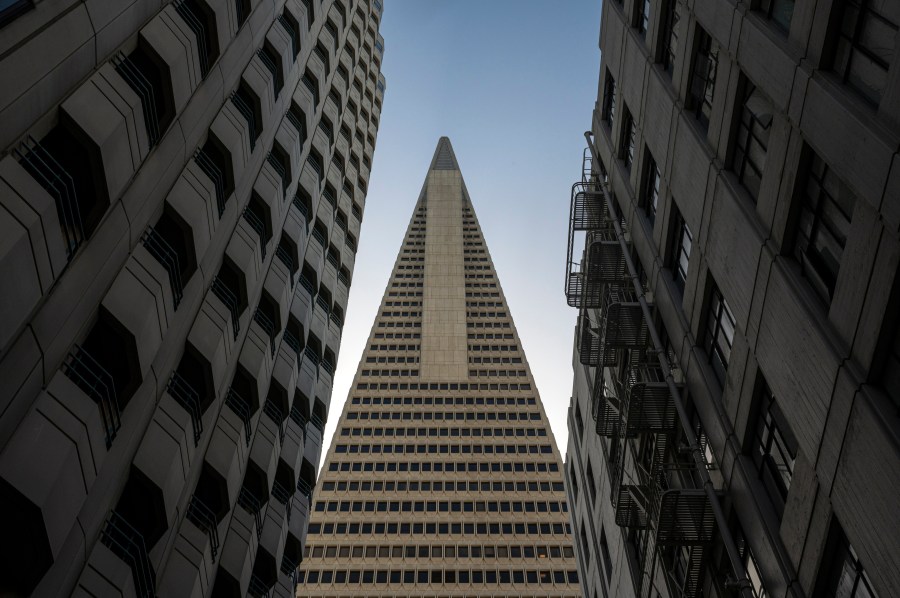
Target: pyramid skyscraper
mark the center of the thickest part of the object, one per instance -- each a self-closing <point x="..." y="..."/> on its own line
<point x="443" y="477"/>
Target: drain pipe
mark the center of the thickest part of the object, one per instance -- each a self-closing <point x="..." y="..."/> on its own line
<point x="740" y="571"/>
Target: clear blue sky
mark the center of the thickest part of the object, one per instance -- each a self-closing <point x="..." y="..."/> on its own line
<point x="512" y="84"/>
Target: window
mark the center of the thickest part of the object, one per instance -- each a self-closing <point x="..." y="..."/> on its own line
<point x="609" y="100"/>
<point x="681" y="248"/>
<point x="643" y="17"/>
<point x="865" y="45"/>
<point x="579" y="420"/>
<point x="272" y="61"/>
<point x="628" y="135"/>
<point x="826" y="209"/>
<point x="669" y="36"/>
<point x="11" y="9"/>
<point x="752" y="137"/>
<point x="890" y="368"/>
<point x="719" y="334"/>
<point x="779" y="12"/>
<point x="773" y="447"/>
<point x="842" y="575"/>
<point x="703" y="77"/>
<point x="247" y="104"/>
<point x="201" y="20"/>
<point x="607" y="560"/>
<point x="650" y="199"/>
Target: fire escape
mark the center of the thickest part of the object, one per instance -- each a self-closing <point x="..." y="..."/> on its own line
<point x="656" y="489"/>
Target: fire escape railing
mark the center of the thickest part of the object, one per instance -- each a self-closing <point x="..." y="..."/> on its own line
<point x="636" y="398"/>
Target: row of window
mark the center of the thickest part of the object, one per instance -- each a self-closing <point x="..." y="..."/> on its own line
<point x="447" y="552"/>
<point x="440" y="506"/>
<point x="433" y="386"/>
<point x="437" y="577"/>
<point x="442" y="432"/>
<point x="446" y="449"/>
<point x="443" y="466"/>
<point x="440" y="529"/>
<point x="495" y="360"/>
<point x="421" y="485"/>
<point x="392" y="359"/>
<point x="458" y="401"/>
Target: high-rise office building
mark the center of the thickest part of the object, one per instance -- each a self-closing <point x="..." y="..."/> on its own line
<point x="181" y="190"/>
<point x="443" y="477"/>
<point x="734" y="254"/>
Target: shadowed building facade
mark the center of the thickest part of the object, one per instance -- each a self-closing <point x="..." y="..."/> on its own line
<point x="733" y="252"/>
<point x="443" y="478"/>
<point x="181" y="191"/>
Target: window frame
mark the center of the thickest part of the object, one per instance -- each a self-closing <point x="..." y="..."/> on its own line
<point x="701" y="105"/>
<point x="718" y="314"/>
<point x="814" y="266"/>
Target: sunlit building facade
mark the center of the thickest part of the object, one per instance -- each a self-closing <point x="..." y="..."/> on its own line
<point x="181" y="191"/>
<point x="733" y="255"/>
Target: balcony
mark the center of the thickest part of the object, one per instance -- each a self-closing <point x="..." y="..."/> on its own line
<point x="648" y="405"/>
<point x="98" y="384"/>
<point x="128" y="544"/>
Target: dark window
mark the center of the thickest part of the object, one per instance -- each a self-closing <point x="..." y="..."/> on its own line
<point x="643" y="17"/>
<point x="12" y="9"/>
<point x="826" y="209"/>
<point x="281" y="164"/>
<point x="242" y="8"/>
<point x="297" y="117"/>
<point x="310" y="13"/>
<point x="751" y="140"/>
<point x="703" y="77"/>
<point x="650" y="199"/>
<point x="867" y="31"/>
<point x="171" y="242"/>
<point x="292" y="27"/>
<point x="773" y="447"/>
<point x="68" y="165"/>
<point x="272" y="61"/>
<point x="607" y="560"/>
<point x="201" y="20"/>
<point x="719" y="333"/>
<point x="312" y="84"/>
<point x="609" y="100"/>
<point x="779" y="12"/>
<point x="148" y="76"/>
<point x="257" y="216"/>
<point x="215" y="161"/>
<point x="842" y="575"/>
<point x="682" y="241"/>
<point x="315" y="162"/>
<point x="247" y="103"/>
<point x="628" y="138"/>
<point x="230" y="286"/>
<point x="669" y="36"/>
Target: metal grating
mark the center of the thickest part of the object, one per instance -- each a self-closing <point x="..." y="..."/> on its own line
<point x="624" y="323"/>
<point x="592" y="352"/>
<point x="685" y="518"/>
<point x="588" y="210"/>
<point x="649" y="407"/>
<point x="605" y="260"/>
<point x="631" y="508"/>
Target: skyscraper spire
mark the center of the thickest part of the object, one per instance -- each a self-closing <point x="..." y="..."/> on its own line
<point x="443" y="473"/>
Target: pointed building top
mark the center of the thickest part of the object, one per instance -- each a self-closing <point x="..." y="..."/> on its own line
<point x="444" y="158"/>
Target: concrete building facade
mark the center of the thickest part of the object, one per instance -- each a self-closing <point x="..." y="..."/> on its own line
<point x="443" y="478"/>
<point x="733" y="253"/>
<point x="181" y="191"/>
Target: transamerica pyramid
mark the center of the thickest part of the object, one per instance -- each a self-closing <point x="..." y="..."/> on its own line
<point x="443" y="478"/>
